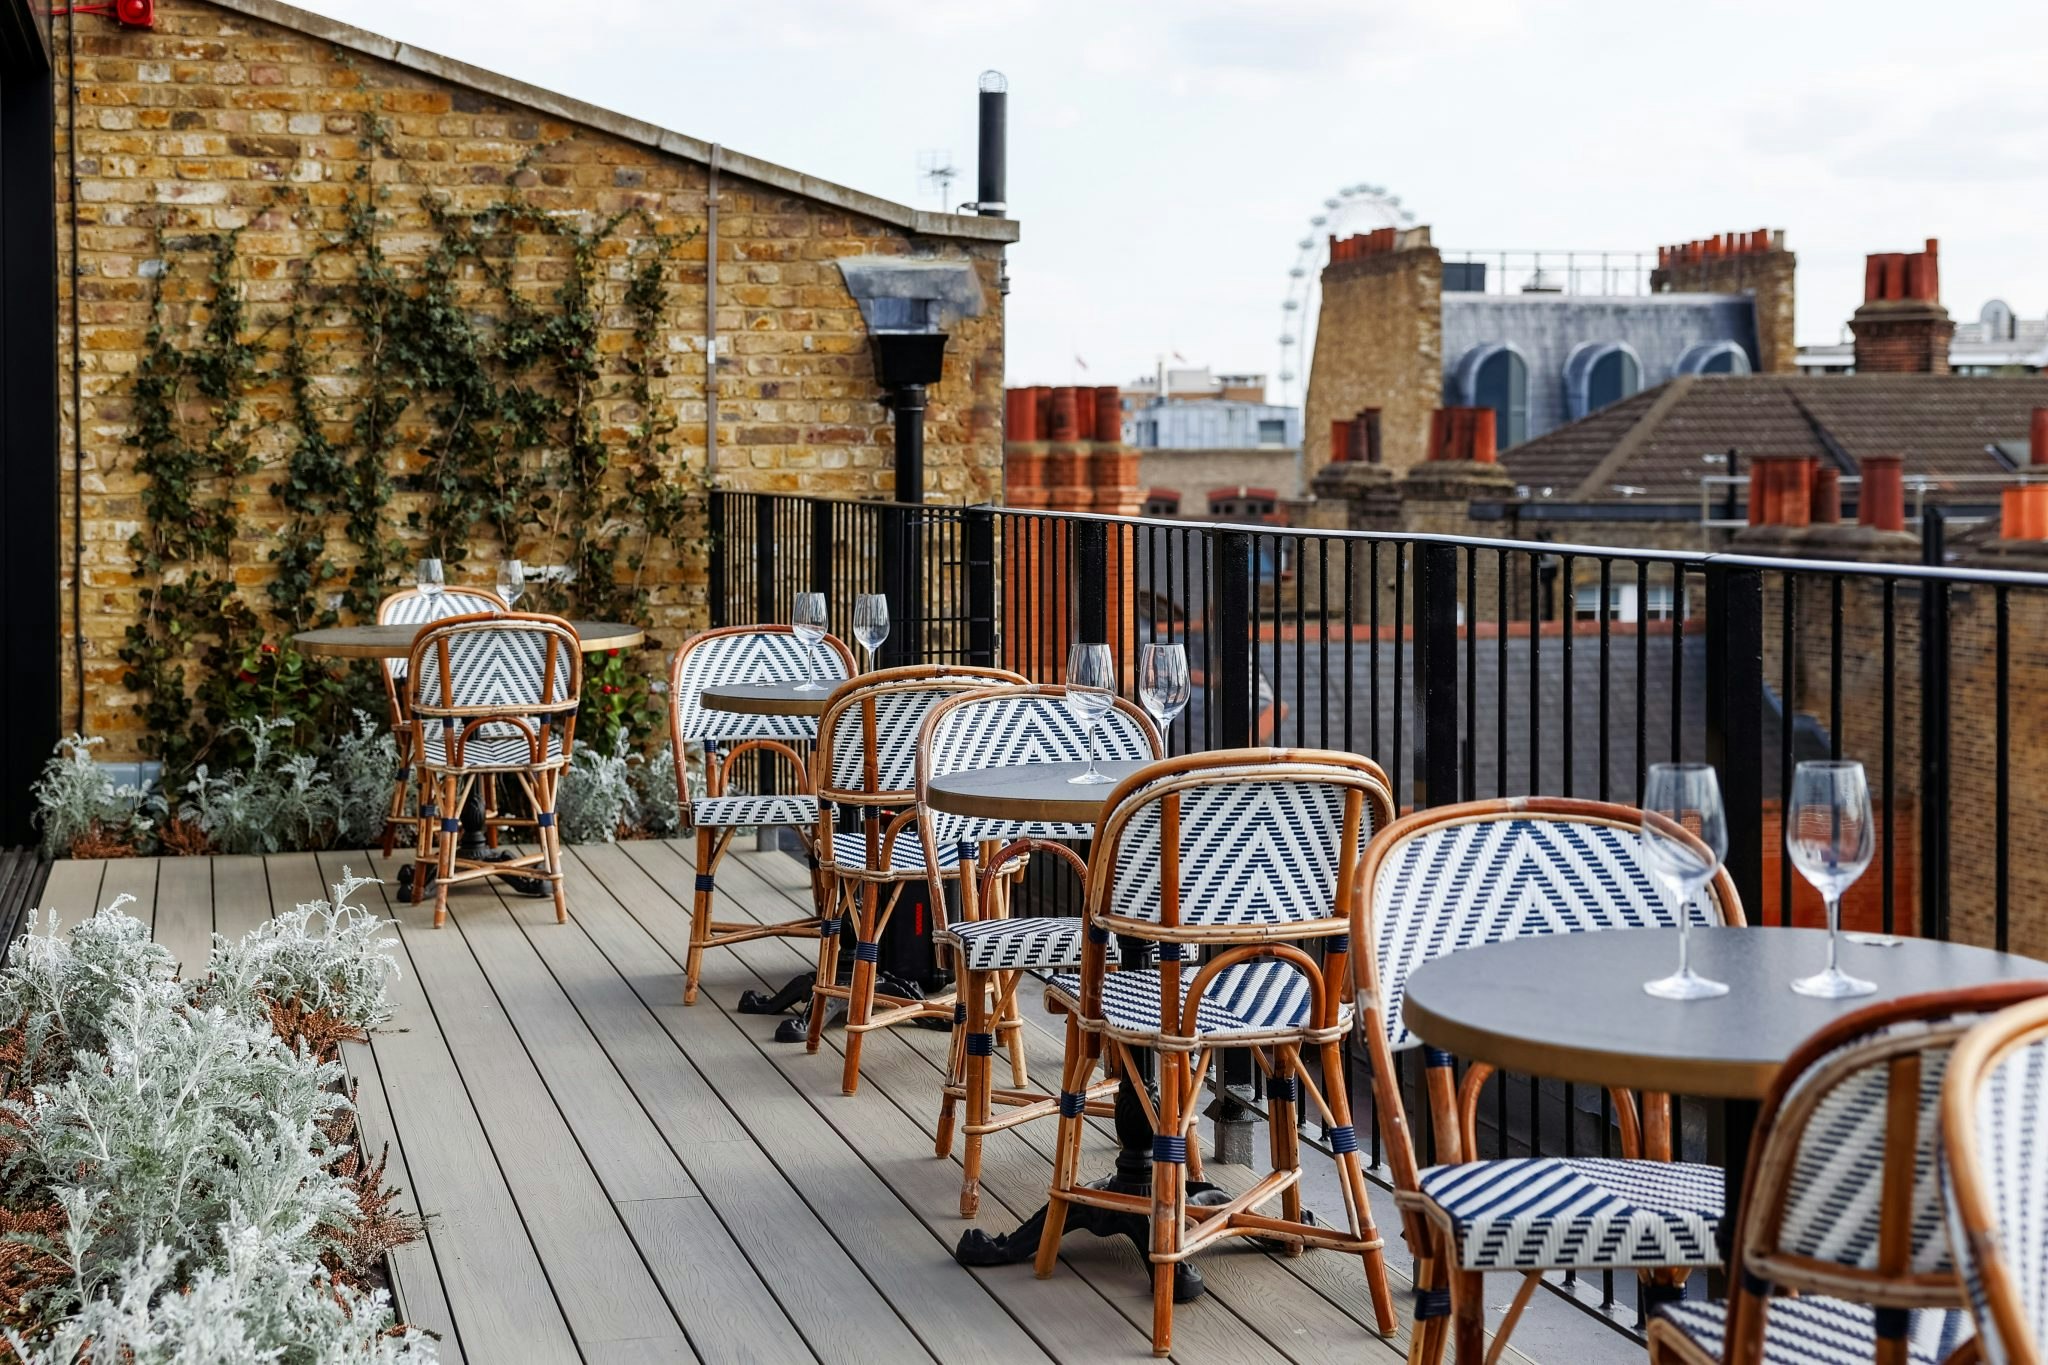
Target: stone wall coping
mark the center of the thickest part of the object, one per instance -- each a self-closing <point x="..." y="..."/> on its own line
<point x="619" y="125"/>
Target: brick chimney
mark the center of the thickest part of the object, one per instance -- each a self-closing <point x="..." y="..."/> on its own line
<point x="1902" y="327"/>
<point x="1356" y="440"/>
<point x="1827" y="495"/>
<point x="2023" y="510"/>
<point x="1781" y="491"/>
<point x="1755" y="263"/>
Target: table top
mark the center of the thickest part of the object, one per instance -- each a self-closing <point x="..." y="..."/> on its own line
<point x="394" y="640"/>
<point x="771" y="698"/>
<point x="1572" y="1007"/>
<point x="1029" y="791"/>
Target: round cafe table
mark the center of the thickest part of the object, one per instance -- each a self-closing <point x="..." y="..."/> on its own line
<point x="394" y="640"/>
<point x="771" y="698"/>
<point x="1571" y="1007"/>
<point x="1044" y="792"/>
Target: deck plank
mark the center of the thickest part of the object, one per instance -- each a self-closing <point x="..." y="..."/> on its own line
<point x="184" y="912"/>
<point x="1316" y="1310"/>
<point x="132" y="877"/>
<point x="501" y="1301"/>
<point x="71" y="893"/>
<point x="604" y="1288"/>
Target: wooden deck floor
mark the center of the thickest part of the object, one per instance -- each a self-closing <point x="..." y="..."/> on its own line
<point x="610" y="1177"/>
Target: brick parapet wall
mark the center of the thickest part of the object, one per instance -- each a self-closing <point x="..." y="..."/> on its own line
<point x="218" y="121"/>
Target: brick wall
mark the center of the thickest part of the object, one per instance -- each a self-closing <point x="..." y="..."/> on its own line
<point x="1379" y="344"/>
<point x="221" y="120"/>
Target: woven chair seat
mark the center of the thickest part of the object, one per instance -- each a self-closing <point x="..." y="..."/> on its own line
<point x="1019" y="944"/>
<point x="485" y="749"/>
<point x="1251" y="999"/>
<point x="728" y="812"/>
<point x="1813" y="1329"/>
<point x="1545" y="1213"/>
<point x="906" y="857"/>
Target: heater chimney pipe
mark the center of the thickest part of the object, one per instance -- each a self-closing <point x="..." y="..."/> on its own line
<point x="992" y="172"/>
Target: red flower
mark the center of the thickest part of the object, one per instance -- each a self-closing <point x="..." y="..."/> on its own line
<point x="269" y="648"/>
<point x="611" y="654"/>
<point x="247" y="676"/>
<point x="609" y="689"/>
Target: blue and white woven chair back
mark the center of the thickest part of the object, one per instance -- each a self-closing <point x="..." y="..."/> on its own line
<point x="1018" y="725"/>
<point x="412" y="607"/>
<point x="1506" y="870"/>
<point x="496" y="664"/>
<point x="1254" y="845"/>
<point x="746" y="654"/>
<point x="902" y="699"/>
<point x="1997" y="1195"/>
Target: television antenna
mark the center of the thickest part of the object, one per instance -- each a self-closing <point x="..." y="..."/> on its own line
<point x="936" y="172"/>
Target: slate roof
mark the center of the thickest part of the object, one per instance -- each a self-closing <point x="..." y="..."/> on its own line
<point x="1654" y="440"/>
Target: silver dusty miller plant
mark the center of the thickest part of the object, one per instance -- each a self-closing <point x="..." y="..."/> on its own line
<point x="193" y="1153"/>
<point x="74" y="795"/>
<point x="598" y="793"/>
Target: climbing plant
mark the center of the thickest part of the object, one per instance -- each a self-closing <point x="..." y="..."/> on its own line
<point x="431" y="403"/>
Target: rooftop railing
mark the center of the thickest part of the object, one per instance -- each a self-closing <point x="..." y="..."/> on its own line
<point x="1474" y="668"/>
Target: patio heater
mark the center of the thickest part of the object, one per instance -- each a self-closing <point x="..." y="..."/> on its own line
<point x="908" y="305"/>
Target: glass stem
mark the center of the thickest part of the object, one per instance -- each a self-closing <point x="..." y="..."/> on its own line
<point x="1684" y="941"/>
<point x="1091" y="747"/>
<point x="1834" y="931"/>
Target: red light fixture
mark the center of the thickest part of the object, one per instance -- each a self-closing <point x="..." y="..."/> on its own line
<point x="127" y="13"/>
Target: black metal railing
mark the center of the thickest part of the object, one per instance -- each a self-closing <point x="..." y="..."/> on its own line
<point x="1476" y="668"/>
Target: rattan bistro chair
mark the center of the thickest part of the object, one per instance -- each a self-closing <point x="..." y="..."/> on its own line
<point x="1992" y="1107"/>
<point x="866" y="759"/>
<point x="993" y="951"/>
<point x="1254" y="854"/>
<point x="1486" y="872"/>
<point x="493" y="696"/>
<point x="1842" y="1254"/>
<point x="410" y="607"/>
<point x="743" y="654"/>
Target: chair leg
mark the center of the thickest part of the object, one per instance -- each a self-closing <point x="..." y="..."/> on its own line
<point x="1168" y="1182"/>
<point x="860" y="1000"/>
<point x="956" y="1063"/>
<point x="1351" y="1171"/>
<point x="1012" y="1023"/>
<point x="447" y="834"/>
<point x="828" y="967"/>
<point x="980" y="1048"/>
<point x="1283" y="1129"/>
<point x="1468" y="1317"/>
<point x="1074" y="1073"/>
<point x="489" y="793"/>
<point x="547" y="788"/>
<point x="700" y="913"/>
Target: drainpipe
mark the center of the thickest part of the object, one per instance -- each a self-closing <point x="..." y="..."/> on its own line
<point x="77" y="399"/>
<point x="711" y="319"/>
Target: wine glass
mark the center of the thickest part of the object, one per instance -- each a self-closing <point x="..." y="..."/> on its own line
<point x="511" y="581"/>
<point x="1685" y="836"/>
<point x="429" y="578"/>
<point x="1829" y="837"/>
<point x="1091" y="694"/>
<point x="871" y="623"/>
<point x="807" y="618"/>
<point x="1163" y="686"/>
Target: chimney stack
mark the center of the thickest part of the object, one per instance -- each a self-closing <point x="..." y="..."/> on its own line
<point x="1902" y="327"/>
<point x="1781" y="490"/>
<point x="1827" y="495"/>
<point x="1465" y="434"/>
<point x="1882" y="504"/>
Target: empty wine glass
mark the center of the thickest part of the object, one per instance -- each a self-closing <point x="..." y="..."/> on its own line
<point x="1685" y="836"/>
<point x="807" y="619"/>
<point x="511" y="581"/>
<point x="1163" y="685"/>
<point x="1091" y="694"/>
<point x="871" y="623"/>
<point x="429" y="578"/>
<point x="1829" y="837"/>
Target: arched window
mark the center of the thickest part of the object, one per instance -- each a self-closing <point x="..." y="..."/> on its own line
<point x="1599" y="373"/>
<point x="1496" y="376"/>
<point x="1715" y="357"/>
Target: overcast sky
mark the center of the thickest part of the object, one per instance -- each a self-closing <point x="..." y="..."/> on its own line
<point x="1164" y="159"/>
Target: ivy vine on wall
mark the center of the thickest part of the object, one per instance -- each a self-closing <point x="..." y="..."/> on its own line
<point x="430" y="405"/>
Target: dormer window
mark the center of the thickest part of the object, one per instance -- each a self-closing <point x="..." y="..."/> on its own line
<point x="1715" y="357"/>
<point x="1600" y="373"/>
